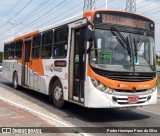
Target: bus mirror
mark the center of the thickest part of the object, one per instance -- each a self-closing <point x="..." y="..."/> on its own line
<point x="89" y="34"/>
<point x="99" y="41"/>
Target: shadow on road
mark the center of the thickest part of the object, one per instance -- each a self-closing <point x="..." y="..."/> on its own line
<point x="77" y="112"/>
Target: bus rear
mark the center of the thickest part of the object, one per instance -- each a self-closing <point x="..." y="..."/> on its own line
<point x="121" y="66"/>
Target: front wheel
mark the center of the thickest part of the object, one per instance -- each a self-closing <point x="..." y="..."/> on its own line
<point x="57" y="94"/>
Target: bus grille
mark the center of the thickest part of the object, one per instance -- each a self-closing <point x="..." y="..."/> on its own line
<point x="129" y="91"/>
<point x="123" y="101"/>
<point x="125" y="77"/>
<point x="131" y="78"/>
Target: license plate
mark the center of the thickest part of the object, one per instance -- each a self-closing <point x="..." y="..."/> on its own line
<point x="132" y="99"/>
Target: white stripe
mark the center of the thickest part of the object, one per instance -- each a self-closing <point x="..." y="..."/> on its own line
<point x="35" y="112"/>
<point x="40" y="114"/>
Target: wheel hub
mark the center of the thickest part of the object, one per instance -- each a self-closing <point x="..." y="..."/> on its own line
<point x="58" y="93"/>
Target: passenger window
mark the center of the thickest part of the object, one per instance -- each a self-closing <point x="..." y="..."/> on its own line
<point x="18" y="51"/>
<point x="6" y="51"/>
<point x="60" y="42"/>
<point x="36" y="46"/>
<point x="46" y="44"/>
<point x="11" y="50"/>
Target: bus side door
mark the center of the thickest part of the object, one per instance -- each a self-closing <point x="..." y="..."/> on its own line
<point x="26" y="63"/>
<point x="77" y="63"/>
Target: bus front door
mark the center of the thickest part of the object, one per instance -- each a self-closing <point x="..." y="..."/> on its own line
<point x="26" y="63"/>
<point x="79" y="65"/>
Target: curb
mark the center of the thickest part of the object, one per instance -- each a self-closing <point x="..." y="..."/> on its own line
<point x="35" y="112"/>
<point x="42" y="115"/>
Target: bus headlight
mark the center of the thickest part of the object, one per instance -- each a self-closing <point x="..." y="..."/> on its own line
<point x="152" y="89"/>
<point x="95" y="82"/>
<point x="109" y="90"/>
<point x="101" y="86"/>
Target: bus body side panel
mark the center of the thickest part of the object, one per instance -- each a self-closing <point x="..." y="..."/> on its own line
<point x="19" y="71"/>
<point x="9" y="67"/>
<point x="5" y="69"/>
<point x="50" y="70"/>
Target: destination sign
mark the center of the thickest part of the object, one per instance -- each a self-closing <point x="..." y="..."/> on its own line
<point x="119" y="20"/>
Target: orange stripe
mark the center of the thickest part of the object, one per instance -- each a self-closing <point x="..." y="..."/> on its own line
<point x="127" y="85"/>
<point x="92" y="13"/>
<point x="89" y="13"/>
<point x="37" y="66"/>
<point x="26" y="35"/>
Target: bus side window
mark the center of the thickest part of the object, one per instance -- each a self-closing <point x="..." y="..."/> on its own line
<point x="36" y="46"/>
<point x="60" y="42"/>
<point x="18" y="50"/>
<point x="46" y="44"/>
<point x="11" y="51"/>
<point x="6" y="51"/>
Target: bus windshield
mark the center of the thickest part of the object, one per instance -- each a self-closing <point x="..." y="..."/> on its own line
<point x="122" y="51"/>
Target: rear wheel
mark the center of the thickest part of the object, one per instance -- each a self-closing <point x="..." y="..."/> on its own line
<point x="57" y="94"/>
<point x="15" y="81"/>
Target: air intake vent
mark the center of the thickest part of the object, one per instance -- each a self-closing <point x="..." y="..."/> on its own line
<point x="125" y="76"/>
<point x="131" y="78"/>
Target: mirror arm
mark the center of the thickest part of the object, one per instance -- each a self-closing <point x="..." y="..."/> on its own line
<point x="90" y="46"/>
<point x="89" y="23"/>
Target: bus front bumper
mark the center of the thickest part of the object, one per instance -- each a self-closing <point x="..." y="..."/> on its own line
<point x="98" y="99"/>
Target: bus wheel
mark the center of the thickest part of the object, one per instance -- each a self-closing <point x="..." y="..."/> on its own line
<point x="15" y="81"/>
<point x="57" y="94"/>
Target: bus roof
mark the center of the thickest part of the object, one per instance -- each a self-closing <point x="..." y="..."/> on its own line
<point x="71" y="19"/>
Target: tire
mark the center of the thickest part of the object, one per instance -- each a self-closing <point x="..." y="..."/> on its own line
<point x="15" y="81"/>
<point x="57" y="94"/>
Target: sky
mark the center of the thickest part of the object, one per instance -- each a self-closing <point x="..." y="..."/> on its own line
<point x="18" y="17"/>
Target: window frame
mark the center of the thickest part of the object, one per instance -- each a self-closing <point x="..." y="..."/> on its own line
<point x="59" y="28"/>
<point x="6" y="44"/>
<point x="37" y="46"/>
<point x="12" y="51"/>
<point x="51" y="44"/>
<point x="9" y="51"/>
<point x="16" y="50"/>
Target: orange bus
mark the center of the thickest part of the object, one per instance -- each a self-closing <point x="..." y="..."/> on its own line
<point x="97" y="59"/>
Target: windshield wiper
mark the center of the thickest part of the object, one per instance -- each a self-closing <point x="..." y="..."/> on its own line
<point x="135" y="51"/>
<point x="119" y="37"/>
<point x="124" y="42"/>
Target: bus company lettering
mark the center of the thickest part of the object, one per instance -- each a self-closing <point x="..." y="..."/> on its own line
<point x="122" y="85"/>
<point x="58" y="69"/>
<point x="143" y="86"/>
<point x="49" y="67"/>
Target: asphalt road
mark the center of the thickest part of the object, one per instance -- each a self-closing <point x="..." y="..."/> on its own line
<point x="148" y="116"/>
